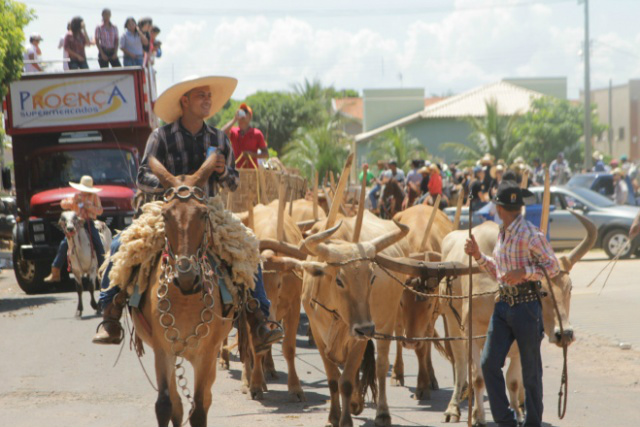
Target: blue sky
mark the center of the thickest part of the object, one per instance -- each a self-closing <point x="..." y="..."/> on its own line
<point x="442" y="46"/>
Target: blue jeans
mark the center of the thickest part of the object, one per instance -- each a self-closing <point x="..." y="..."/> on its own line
<point x="107" y="295"/>
<point x="131" y="62"/>
<point x="373" y="196"/>
<point x="61" y="258"/>
<point x="522" y="323"/>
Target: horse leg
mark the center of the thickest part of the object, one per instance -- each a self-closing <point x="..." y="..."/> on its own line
<point x="223" y="361"/>
<point x="79" y="286"/>
<point x="397" y="374"/>
<point x="92" y="286"/>
<point x="269" y="366"/>
<point x="257" y="383"/>
<point x="347" y="383"/>
<point x="291" y="321"/>
<point x="177" y="411"/>
<point x="165" y="366"/>
<point x="204" y="372"/>
<point x="423" y="389"/>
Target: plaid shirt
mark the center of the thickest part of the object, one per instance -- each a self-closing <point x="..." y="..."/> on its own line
<point x="107" y="37"/>
<point x="521" y="245"/>
<point x="183" y="153"/>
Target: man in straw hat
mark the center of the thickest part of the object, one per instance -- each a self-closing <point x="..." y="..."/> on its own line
<point x="620" y="187"/>
<point x="86" y="204"/>
<point x="182" y="146"/>
<point x="516" y="263"/>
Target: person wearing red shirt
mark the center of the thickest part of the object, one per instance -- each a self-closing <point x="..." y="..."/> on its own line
<point x="246" y="140"/>
<point x="435" y="187"/>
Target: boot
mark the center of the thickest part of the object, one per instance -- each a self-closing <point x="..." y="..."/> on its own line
<point x="54" y="276"/>
<point x="110" y="330"/>
<point x="261" y="334"/>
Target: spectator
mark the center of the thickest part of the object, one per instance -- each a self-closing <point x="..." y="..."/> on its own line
<point x="74" y="44"/>
<point x="598" y="163"/>
<point x="247" y="142"/>
<point x="435" y="187"/>
<point x="393" y="173"/>
<point x="65" y="54"/>
<point x="559" y="170"/>
<point x="33" y="54"/>
<point x="487" y="162"/>
<point x="414" y="178"/>
<point x="131" y="44"/>
<point x="107" y="42"/>
<point x="620" y="190"/>
<point x="625" y="164"/>
<point x="145" y="24"/>
<point x="374" y="193"/>
<point x="538" y="172"/>
<point x="478" y="189"/>
<point x="496" y="173"/>
<point x="370" y="176"/>
<point x="154" y="46"/>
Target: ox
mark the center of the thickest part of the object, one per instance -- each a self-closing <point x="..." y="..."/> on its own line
<point x="418" y="315"/>
<point x="81" y="256"/>
<point x="455" y="315"/>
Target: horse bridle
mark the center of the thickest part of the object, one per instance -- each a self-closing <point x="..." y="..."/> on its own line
<point x="199" y="262"/>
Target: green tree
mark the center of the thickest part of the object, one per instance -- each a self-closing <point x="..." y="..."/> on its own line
<point x="397" y="144"/>
<point x="493" y="133"/>
<point x="553" y="125"/>
<point x="14" y="16"/>
<point x="323" y="148"/>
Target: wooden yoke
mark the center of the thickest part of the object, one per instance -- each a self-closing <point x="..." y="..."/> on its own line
<point x="339" y="194"/>
<point x="436" y="207"/>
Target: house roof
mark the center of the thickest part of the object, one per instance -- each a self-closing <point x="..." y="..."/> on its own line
<point x="354" y="108"/>
<point x="511" y="100"/>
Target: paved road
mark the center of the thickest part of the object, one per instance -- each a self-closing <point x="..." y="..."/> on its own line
<point x="53" y="376"/>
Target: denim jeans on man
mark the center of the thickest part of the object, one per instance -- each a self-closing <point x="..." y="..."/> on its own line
<point x="132" y="62"/>
<point x="374" y="194"/>
<point x="107" y="295"/>
<point x="61" y="258"/>
<point x="522" y="323"/>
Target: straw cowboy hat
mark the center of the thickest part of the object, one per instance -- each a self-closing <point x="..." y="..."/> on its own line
<point x="487" y="159"/>
<point x="618" y="171"/>
<point x="494" y="169"/>
<point x="168" y="107"/>
<point x="85" y="185"/>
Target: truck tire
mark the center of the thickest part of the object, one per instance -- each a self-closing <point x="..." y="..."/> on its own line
<point x="30" y="274"/>
<point x="614" y="241"/>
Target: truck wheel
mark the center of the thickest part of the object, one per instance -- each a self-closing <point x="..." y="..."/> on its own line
<point x="29" y="273"/>
<point x="615" y="241"/>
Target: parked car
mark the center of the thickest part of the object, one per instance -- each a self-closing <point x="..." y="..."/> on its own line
<point x="565" y="231"/>
<point x="8" y="211"/>
<point x="602" y="183"/>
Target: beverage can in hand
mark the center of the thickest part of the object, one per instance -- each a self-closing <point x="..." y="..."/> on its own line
<point x="211" y="151"/>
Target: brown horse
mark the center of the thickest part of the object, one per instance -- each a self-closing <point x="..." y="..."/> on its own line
<point x="391" y="197"/>
<point x="181" y="311"/>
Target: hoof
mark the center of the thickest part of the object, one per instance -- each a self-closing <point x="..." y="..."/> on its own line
<point x="450" y="418"/>
<point x="264" y="387"/>
<point x="244" y="389"/>
<point x="383" y="420"/>
<point x="479" y="424"/>
<point x="433" y="384"/>
<point x="257" y="395"/>
<point x="224" y="364"/>
<point x="94" y="305"/>
<point x="78" y="314"/>
<point x="297" y="396"/>
<point x="346" y="423"/>
<point x="397" y="381"/>
<point x="422" y="394"/>
<point x="356" y="407"/>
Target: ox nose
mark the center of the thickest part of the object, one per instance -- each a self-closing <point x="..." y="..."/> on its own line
<point x="70" y="229"/>
<point x="566" y="336"/>
<point x="364" y="331"/>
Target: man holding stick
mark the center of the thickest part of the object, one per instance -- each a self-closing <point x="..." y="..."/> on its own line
<point x="521" y="253"/>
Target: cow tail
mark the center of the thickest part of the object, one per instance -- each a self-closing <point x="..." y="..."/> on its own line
<point x="243" y="330"/>
<point x="444" y="349"/>
<point x="367" y="372"/>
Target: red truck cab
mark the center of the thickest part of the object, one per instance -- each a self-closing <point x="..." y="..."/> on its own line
<point x="63" y="126"/>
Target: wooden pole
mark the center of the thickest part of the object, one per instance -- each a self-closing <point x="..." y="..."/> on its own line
<point x="456" y="220"/>
<point x="546" y="202"/>
<point x="425" y="237"/>
<point x="251" y="220"/>
<point x="523" y="185"/>
<point x="263" y="187"/>
<point x="363" y="190"/>
<point x="470" y="328"/>
<point x="282" y="201"/>
<point x="337" y="200"/>
<point x="315" y="195"/>
<point x="291" y="197"/>
<point x="332" y="181"/>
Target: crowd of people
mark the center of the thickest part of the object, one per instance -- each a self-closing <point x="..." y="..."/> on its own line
<point x="138" y="44"/>
<point x="426" y="180"/>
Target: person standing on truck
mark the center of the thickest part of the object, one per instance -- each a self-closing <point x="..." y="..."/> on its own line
<point x="248" y="142"/>
<point x="131" y="44"/>
<point x="182" y="146"/>
<point x="74" y="44"/>
<point x="86" y="204"/>
<point x="32" y="55"/>
<point x="107" y="42"/>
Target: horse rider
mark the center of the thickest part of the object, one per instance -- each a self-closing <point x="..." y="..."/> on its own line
<point x="521" y="253"/>
<point x="86" y="204"/>
<point x="182" y="146"/>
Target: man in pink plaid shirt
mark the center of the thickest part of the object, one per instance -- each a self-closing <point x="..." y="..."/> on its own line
<point x="521" y="253"/>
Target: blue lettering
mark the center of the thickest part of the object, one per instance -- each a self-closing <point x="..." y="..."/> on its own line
<point x="116" y="92"/>
<point x="23" y="97"/>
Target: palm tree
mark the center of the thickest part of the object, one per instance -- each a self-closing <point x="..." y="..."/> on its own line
<point x="493" y="134"/>
<point x="322" y="148"/>
<point x="397" y="144"/>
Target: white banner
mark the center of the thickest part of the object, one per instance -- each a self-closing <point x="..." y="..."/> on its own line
<point x="73" y="100"/>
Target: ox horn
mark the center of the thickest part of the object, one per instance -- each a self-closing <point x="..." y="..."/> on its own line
<point x="587" y="243"/>
<point x="314" y="244"/>
<point x="283" y="248"/>
<point x="389" y="239"/>
<point x="425" y="269"/>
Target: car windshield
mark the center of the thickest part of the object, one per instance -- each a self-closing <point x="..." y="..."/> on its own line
<point x="105" y="166"/>
<point x="581" y="181"/>
<point x="592" y="197"/>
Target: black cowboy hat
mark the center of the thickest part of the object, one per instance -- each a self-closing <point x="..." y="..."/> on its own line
<point x="511" y="195"/>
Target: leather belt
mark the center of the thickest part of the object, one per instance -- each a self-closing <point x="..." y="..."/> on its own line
<point x="523" y="292"/>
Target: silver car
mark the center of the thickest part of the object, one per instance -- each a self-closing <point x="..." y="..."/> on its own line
<point x="565" y="231"/>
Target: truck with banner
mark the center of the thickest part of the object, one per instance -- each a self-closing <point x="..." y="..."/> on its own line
<point x="63" y="126"/>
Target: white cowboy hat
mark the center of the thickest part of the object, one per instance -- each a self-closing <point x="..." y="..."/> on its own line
<point x="168" y="107"/>
<point x="85" y="185"/>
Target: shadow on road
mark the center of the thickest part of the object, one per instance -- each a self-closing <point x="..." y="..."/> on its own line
<point x="13" y="304"/>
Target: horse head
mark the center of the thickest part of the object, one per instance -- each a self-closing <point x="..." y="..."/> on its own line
<point x="391" y="197"/>
<point x="186" y="218"/>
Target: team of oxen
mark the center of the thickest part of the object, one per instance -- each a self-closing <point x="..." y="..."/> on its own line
<point x="361" y="280"/>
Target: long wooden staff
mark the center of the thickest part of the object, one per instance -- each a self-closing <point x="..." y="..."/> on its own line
<point x="546" y="203"/>
<point x="470" y="321"/>
<point x="432" y="217"/>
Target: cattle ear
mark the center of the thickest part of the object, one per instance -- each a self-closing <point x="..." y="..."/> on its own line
<point x="315" y="269"/>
